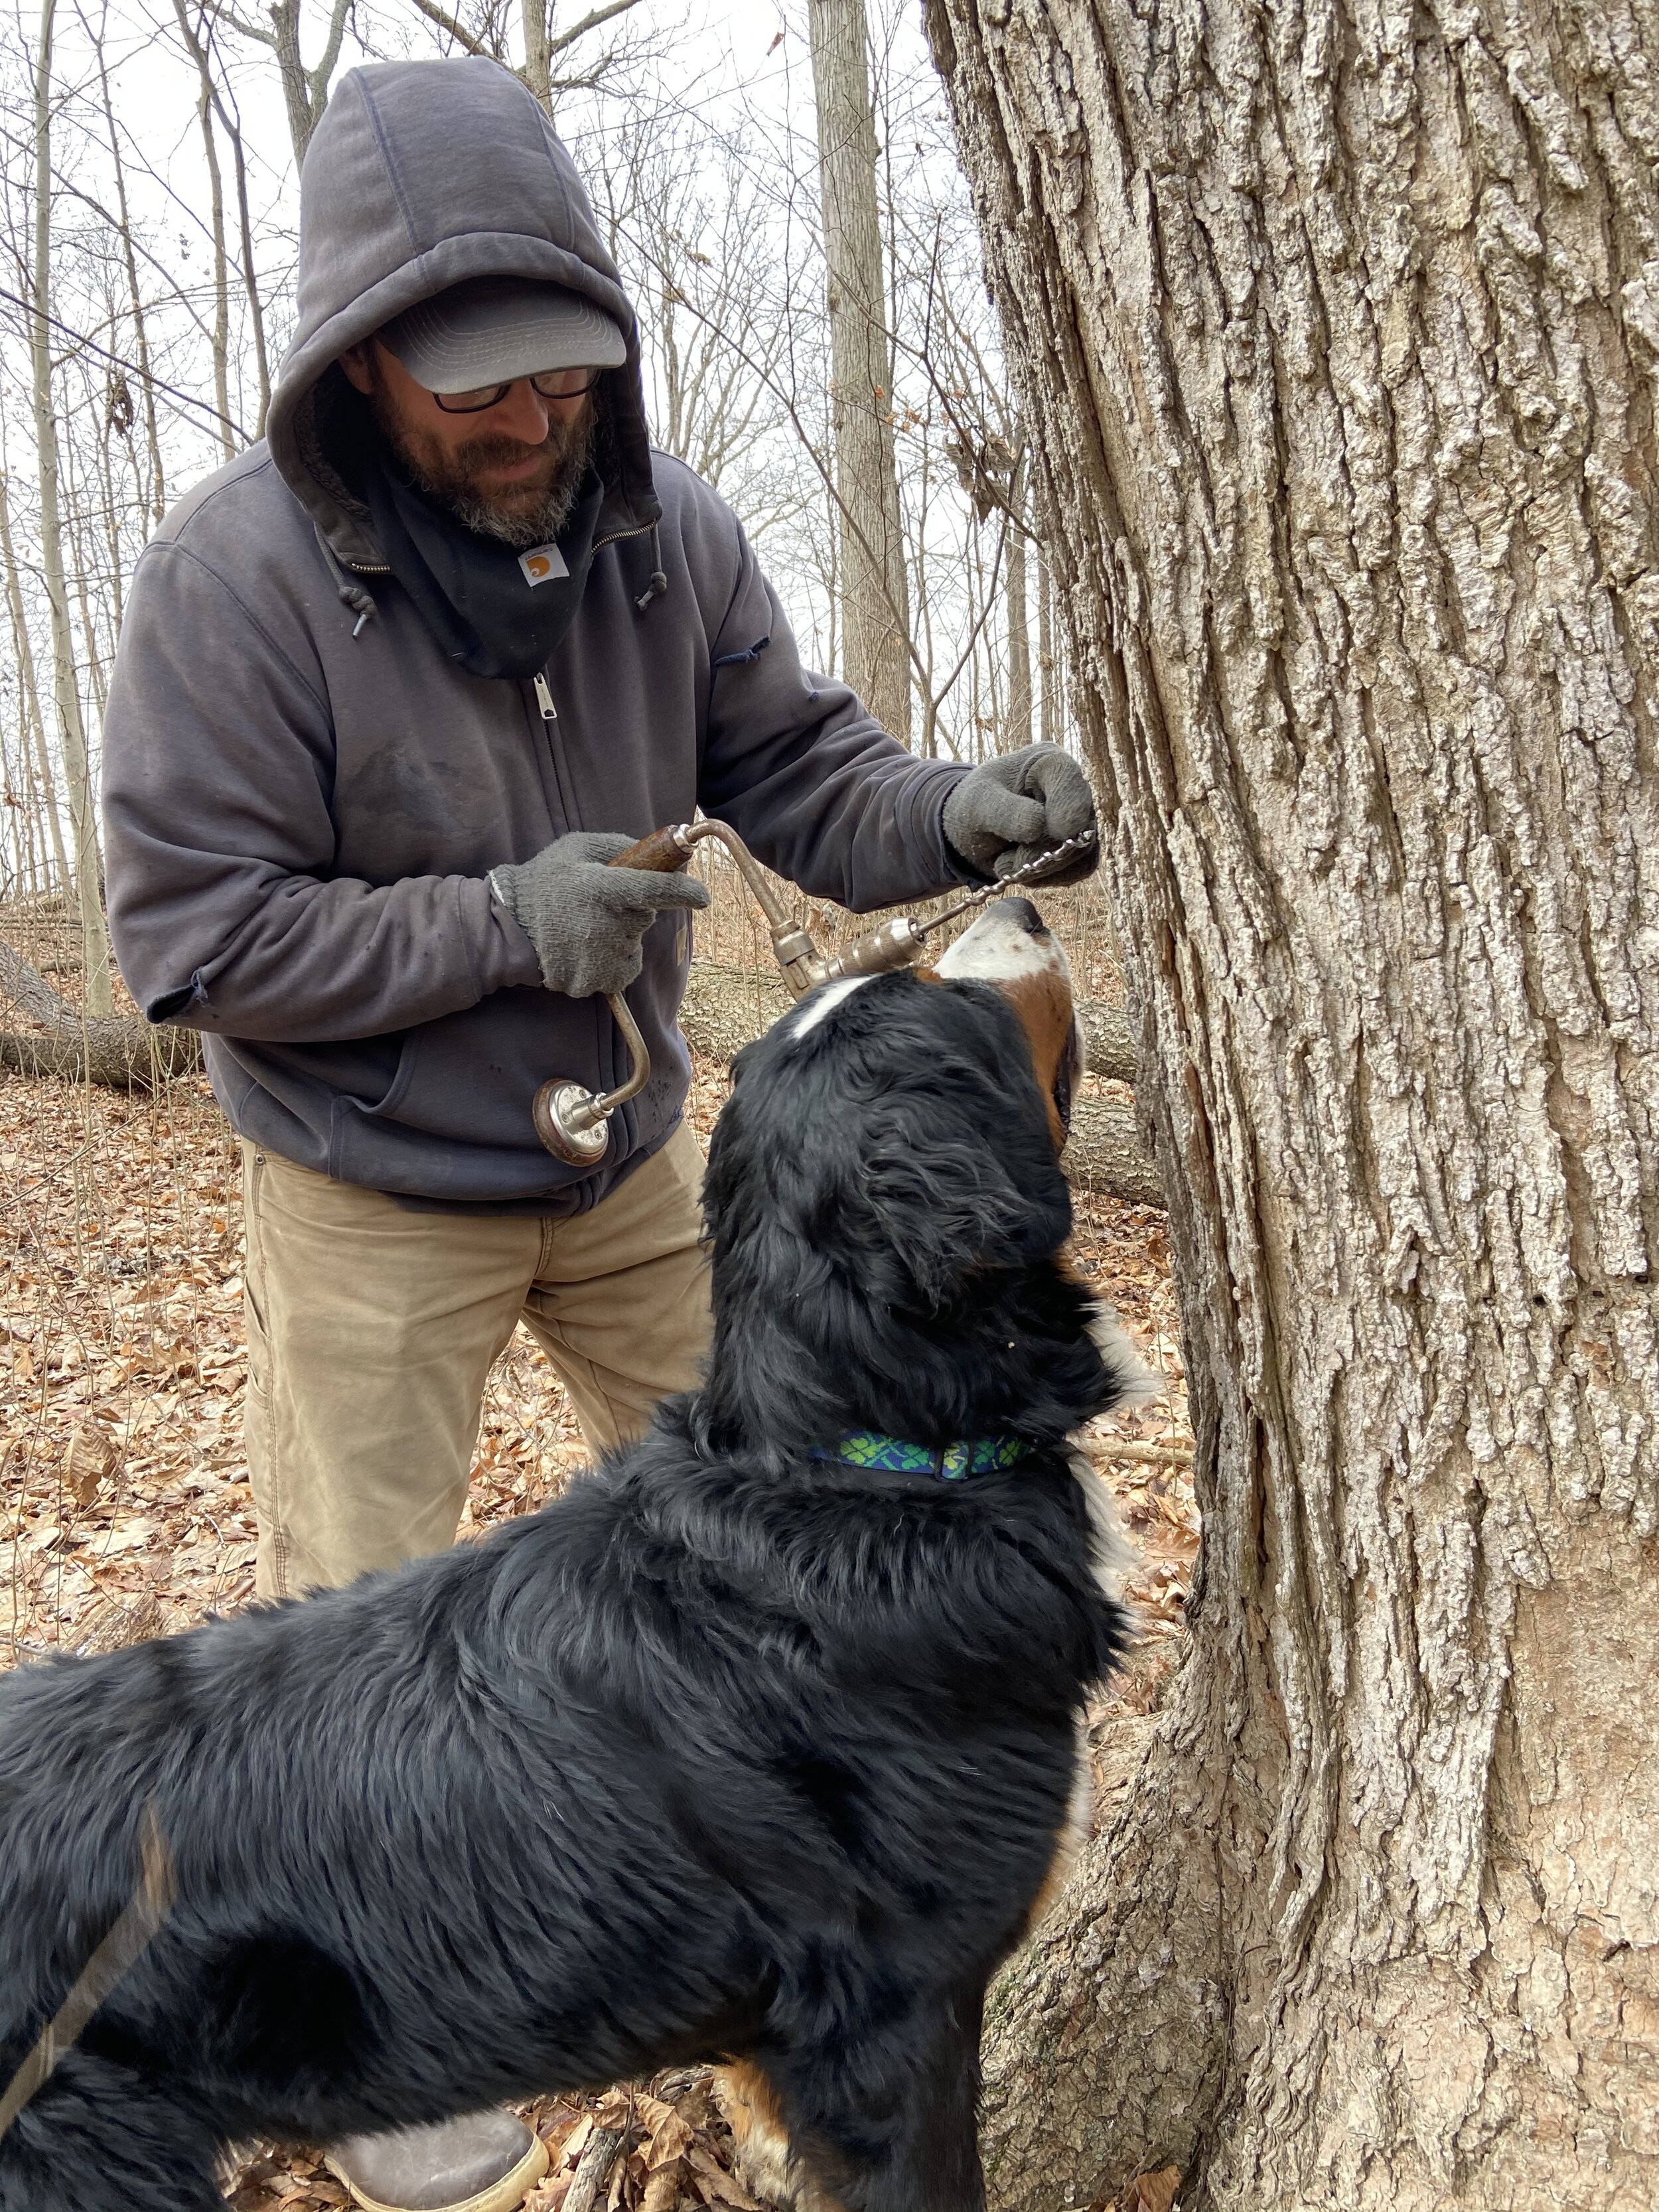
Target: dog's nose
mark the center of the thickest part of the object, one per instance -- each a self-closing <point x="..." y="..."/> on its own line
<point x="1019" y="911"/>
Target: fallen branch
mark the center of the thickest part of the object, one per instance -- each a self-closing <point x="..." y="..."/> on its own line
<point x="1104" y="1154"/>
<point x="1108" y="1043"/>
<point x="1145" y="1454"/>
<point x="595" y="2163"/>
<point x="725" y="1008"/>
<point x="127" y="1054"/>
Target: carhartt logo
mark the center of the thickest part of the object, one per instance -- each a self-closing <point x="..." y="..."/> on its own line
<point x="543" y="564"/>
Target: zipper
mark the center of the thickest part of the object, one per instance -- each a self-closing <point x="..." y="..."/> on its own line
<point x="616" y="536"/>
<point x="544" y="699"/>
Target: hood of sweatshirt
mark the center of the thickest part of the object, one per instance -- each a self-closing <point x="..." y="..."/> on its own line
<point x="420" y="175"/>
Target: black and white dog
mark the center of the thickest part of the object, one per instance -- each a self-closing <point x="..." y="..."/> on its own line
<point x="752" y="1747"/>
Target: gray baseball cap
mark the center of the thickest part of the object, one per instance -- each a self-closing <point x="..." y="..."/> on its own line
<point x="492" y="329"/>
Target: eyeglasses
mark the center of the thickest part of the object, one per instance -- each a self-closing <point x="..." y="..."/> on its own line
<point x="552" y="383"/>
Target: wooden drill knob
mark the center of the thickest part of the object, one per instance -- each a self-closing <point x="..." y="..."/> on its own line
<point x="659" y="854"/>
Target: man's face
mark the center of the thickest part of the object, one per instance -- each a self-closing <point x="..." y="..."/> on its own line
<point x="512" y="471"/>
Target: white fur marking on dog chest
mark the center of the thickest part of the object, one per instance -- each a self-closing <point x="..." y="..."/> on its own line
<point x="826" y="998"/>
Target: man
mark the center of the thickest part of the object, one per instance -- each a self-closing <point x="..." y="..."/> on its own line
<point x="392" y="688"/>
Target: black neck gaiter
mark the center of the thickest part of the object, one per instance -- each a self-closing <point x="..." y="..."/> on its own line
<point x="494" y="611"/>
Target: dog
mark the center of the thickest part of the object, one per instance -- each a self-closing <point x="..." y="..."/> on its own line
<point x="758" y="1745"/>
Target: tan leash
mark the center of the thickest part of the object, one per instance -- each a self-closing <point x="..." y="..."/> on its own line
<point x="121" y="1948"/>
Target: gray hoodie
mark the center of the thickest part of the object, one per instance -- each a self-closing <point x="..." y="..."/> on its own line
<point x="303" y="795"/>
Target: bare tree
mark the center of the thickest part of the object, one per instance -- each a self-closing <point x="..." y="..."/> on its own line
<point x="1343" y="330"/>
<point x="157" y="499"/>
<point x="211" y="103"/>
<point x="543" y="45"/>
<point x="1052" y="727"/>
<point x="43" y="792"/>
<point x="486" y="36"/>
<point x="1018" y="725"/>
<point x="874" y="588"/>
<point x="71" y="729"/>
<point x="305" y="91"/>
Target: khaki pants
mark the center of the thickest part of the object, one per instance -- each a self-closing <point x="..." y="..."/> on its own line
<point x="371" y="1330"/>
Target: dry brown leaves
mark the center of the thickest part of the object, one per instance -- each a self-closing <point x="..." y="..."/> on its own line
<point x="660" y="2147"/>
<point x="1148" y="2192"/>
<point x="125" y="1507"/>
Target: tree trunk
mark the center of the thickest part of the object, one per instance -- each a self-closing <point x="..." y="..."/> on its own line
<point x="304" y="92"/>
<point x="220" y="257"/>
<point x="155" y="498"/>
<point x="537" y="51"/>
<point x="1052" y="725"/>
<point x="71" y="731"/>
<point x="195" y="36"/>
<point x="874" y="591"/>
<point x="250" y="274"/>
<point x="1343" y="327"/>
<point x="30" y="690"/>
<point x="1019" y="729"/>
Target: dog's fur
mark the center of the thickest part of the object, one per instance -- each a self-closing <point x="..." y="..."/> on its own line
<point x="728" y="1752"/>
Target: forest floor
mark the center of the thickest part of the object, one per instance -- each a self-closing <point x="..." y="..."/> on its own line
<point x="125" y="1511"/>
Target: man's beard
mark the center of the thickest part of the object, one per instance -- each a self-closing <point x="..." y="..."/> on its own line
<point x="520" y="515"/>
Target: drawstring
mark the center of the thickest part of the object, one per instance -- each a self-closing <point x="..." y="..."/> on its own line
<point x="356" y="597"/>
<point x="658" y="580"/>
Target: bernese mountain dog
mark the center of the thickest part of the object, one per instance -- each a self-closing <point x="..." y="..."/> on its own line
<point x="758" y="1745"/>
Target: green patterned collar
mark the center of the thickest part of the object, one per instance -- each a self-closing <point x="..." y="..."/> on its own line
<point x="952" y="1462"/>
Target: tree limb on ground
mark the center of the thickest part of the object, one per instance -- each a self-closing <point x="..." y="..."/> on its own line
<point x="725" y="1008"/>
<point x="125" y="1052"/>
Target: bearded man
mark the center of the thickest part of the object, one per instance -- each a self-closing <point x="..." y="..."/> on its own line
<point x="393" y="687"/>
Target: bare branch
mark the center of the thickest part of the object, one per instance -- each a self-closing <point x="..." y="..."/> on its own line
<point x="591" y="21"/>
<point x="461" y="35"/>
<point x="223" y="15"/>
<point x="317" y="80"/>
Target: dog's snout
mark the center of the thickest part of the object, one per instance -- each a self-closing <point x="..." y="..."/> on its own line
<point x="1018" y="909"/>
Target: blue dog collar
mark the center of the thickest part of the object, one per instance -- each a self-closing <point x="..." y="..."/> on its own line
<point x="952" y="1462"/>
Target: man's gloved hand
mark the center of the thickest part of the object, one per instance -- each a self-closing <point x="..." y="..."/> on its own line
<point x="1007" y="810"/>
<point x="585" y="920"/>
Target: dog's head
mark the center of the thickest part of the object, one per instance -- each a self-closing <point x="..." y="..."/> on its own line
<point x="887" y="1169"/>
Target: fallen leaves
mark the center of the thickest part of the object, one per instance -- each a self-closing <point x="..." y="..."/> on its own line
<point x="639" y="2150"/>
<point x="1153" y="2192"/>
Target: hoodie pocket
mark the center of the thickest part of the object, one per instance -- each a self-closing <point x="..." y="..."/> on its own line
<point x="347" y="1108"/>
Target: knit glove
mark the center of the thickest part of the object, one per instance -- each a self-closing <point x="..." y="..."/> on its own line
<point x="1007" y="810"/>
<point x="585" y="920"/>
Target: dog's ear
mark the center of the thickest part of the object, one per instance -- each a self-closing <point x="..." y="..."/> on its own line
<point x="941" y="1204"/>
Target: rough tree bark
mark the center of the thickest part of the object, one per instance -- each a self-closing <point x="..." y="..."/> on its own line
<point x="1052" y="726"/>
<point x="1018" y="728"/>
<point x="1342" y="329"/>
<point x="870" y="535"/>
